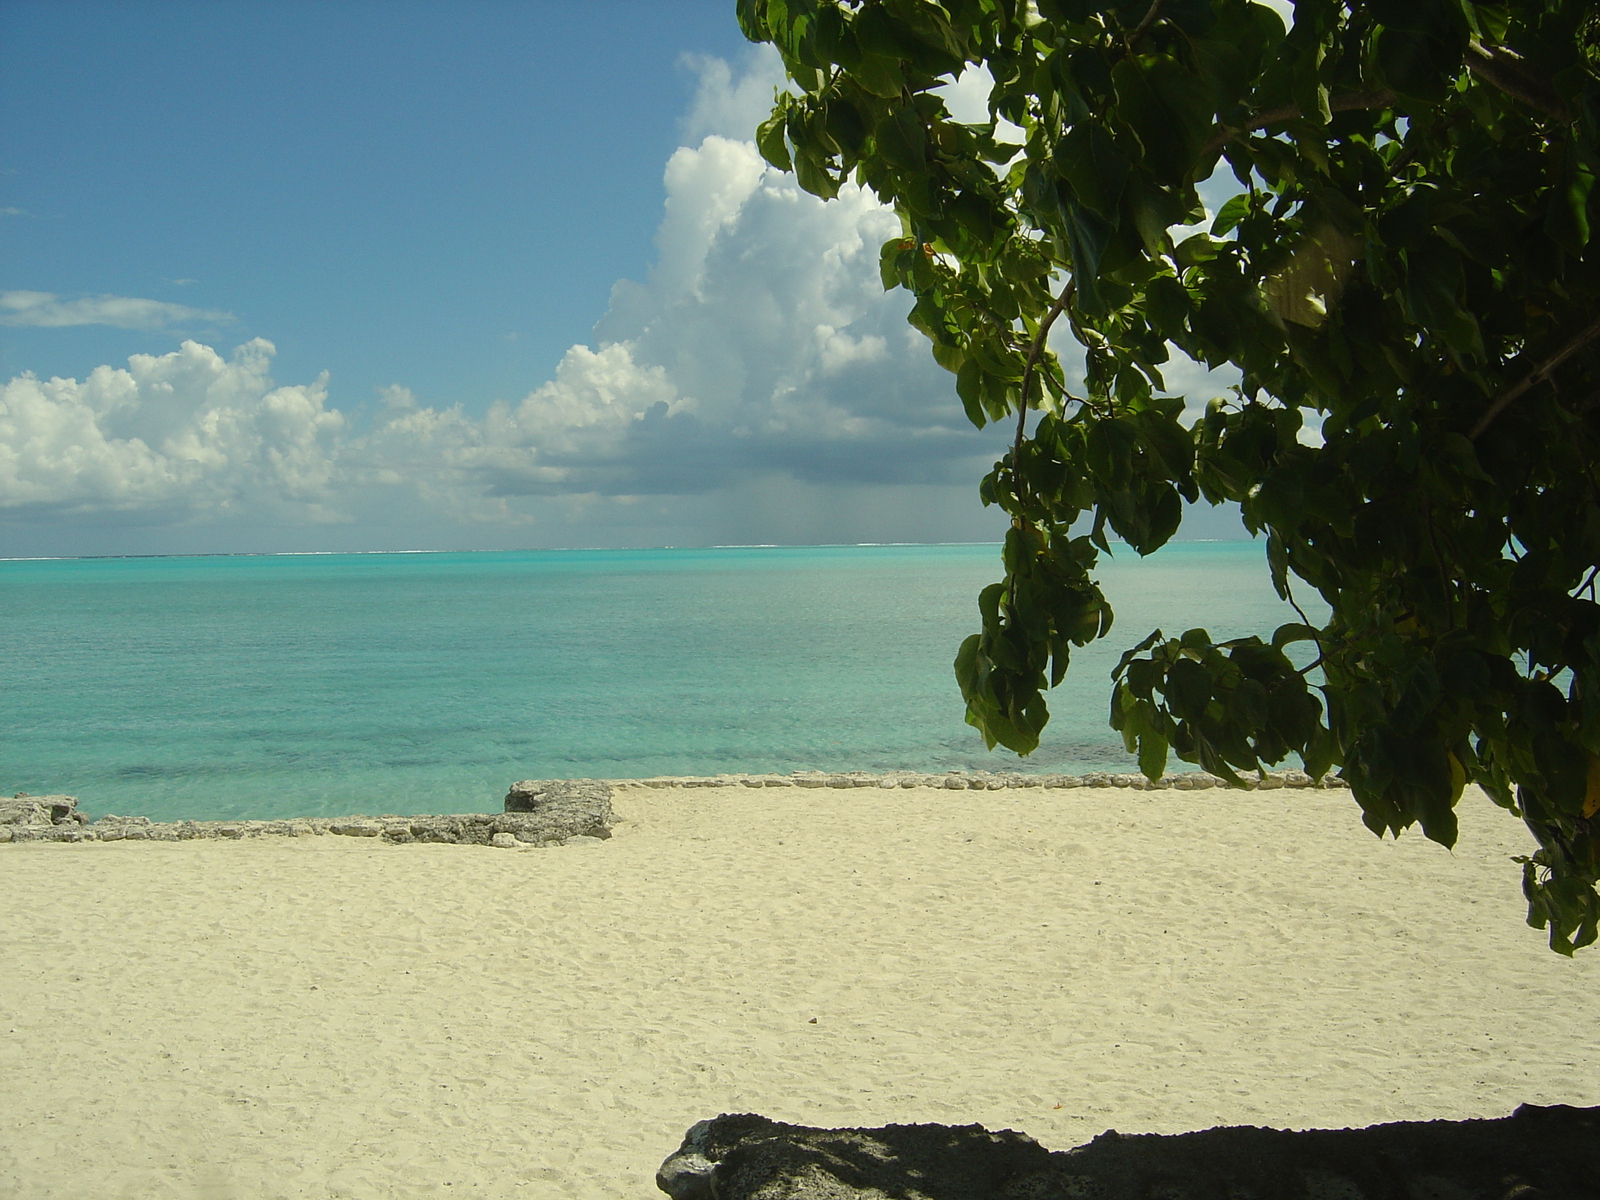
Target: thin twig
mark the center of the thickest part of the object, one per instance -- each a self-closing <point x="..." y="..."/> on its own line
<point x="1535" y="377"/>
<point x="1589" y="582"/>
<point x="1289" y="591"/>
<point x="1034" y="351"/>
<point x="1139" y="29"/>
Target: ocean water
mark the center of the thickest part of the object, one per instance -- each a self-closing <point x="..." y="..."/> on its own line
<point x="239" y="687"/>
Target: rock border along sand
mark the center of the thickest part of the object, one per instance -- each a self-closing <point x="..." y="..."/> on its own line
<point x="544" y="812"/>
<point x="538" y="813"/>
<point x="978" y="780"/>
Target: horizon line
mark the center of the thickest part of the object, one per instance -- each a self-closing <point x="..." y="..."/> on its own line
<point x="551" y="550"/>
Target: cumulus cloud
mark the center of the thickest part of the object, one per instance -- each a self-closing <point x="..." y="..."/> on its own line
<point x="167" y="437"/>
<point x="759" y="356"/>
<point x="762" y="344"/>
<point x="756" y="385"/>
<point x="43" y="309"/>
<point x="731" y="103"/>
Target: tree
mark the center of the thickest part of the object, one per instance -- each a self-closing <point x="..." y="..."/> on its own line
<point x="1407" y="261"/>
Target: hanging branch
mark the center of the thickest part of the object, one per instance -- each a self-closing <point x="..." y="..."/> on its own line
<point x="1034" y="352"/>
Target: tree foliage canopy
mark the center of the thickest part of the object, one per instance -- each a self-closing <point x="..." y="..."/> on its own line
<point x="1408" y="261"/>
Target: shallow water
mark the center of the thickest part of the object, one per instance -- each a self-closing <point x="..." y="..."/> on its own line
<point x="229" y="687"/>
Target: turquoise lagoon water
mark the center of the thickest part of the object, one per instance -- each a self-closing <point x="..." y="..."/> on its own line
<point x="234" y="687"/>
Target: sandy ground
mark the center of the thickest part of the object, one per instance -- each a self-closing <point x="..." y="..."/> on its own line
<point x="335" y="1017"/>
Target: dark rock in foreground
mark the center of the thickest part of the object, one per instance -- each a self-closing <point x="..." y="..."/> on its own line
<point x="1535" y="1154"/>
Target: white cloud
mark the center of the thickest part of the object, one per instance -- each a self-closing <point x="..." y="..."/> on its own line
<point x="967" y="99"/>
<point x="729" y="104"/>
<point x="758" y="362"/>
<point x="169" y="437"/>
<point x="757" y="385"/>
<point x="761" y="345"/>
<point x="45" y="310"/>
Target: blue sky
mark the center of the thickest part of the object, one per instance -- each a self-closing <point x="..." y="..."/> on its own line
<point x="338" y="276"/>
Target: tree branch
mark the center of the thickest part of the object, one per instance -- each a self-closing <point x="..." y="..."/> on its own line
<point x="1139" y="29"/>
<point x="1034" y="352"/>
<point x="1534" y="377"/>
<point x="1505" y="70"/>
<point x="1495" y="65"/>
<point x="1223" y="134"/>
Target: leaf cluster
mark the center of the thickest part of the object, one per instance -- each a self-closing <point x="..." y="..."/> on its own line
<point x="1406" y="280"/>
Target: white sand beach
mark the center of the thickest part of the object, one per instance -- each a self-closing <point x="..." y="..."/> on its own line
<point x="334" y="1016"/>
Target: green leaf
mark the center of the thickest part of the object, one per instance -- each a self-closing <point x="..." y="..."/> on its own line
<point x="1230" y="214"/>
<point x="752" y="17"/>
<point x="889" y="261"/>
<point x="1567" y="220"/>
<point x="1109" y="448"/>
<point x="966" y="666"/>
<point x="1088" y="159"/>
<point x="1152" y="755"/>
<point x="1321" y="751"/>
<point x="879" y="75"/>
<point x="949" y="357"/>
<point x="1087" y="236"/>
<point x="1278" y="565"/>
<point x="928" y="25"/>
<point x="769" y="139"/>
<point x="1414" y="64"/>
<point x="969" y="387"/>
<point x="902" y="141"/>
<point x="1169" y="109"/>
<point x="1188" y="689"/>
<point x="1168" y="305"/>
<point x="1287" y="635"/>
<point x="1122" y="664"/>
<point x="814" y="177"/>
